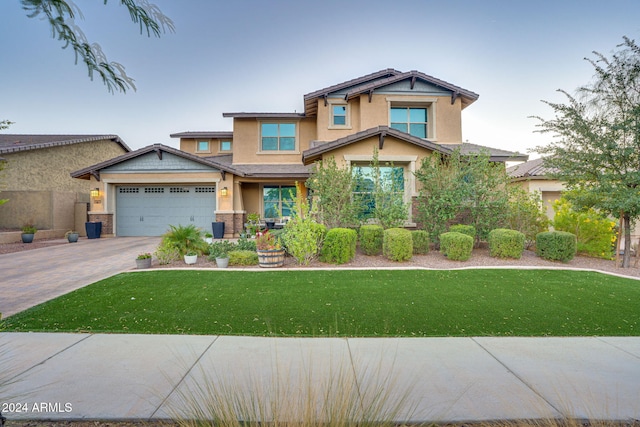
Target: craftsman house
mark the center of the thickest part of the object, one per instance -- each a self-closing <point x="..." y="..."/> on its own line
<point x="223" y="176"/>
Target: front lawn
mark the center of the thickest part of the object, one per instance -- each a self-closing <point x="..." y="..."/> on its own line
<point x="370" y="303"/>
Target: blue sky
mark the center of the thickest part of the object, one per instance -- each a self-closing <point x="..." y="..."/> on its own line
<point x="264" y="55"/>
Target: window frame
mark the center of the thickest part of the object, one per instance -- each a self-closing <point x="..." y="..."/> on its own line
<point x="202" y="141"/>
<point x="426" y="102"/>
<point x="280" y="200"/>
<point x="222" y="150"/>
<point x="278" y="137"/>
<point x="347" y="115"/>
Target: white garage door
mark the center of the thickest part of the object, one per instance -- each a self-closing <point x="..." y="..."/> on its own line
<point x="149" y="210"/>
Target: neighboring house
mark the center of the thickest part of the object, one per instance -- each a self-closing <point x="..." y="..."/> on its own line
<point x="223" y="176"/>
<point x="534" y="176"/>
<point x="37" y="183"/>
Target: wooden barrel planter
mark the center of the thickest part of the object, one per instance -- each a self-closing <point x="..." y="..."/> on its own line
<point x="271" y="258"/>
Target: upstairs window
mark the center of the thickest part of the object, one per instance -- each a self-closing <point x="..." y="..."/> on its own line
<point x="225" y="145"/>
<point x="339" y="115"/>
<point x="278" y="137"/>
<point x="411" y="120"/>
<point x="202" y="146"/>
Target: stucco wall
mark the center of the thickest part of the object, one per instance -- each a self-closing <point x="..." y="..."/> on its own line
<point x="46" y="210"/>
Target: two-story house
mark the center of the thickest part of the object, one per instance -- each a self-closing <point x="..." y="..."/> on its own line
<point x="223" y="176"/>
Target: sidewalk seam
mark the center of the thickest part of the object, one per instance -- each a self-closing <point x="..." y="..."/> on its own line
<point x="521" y="379"/>
<point x="181" y="380"/>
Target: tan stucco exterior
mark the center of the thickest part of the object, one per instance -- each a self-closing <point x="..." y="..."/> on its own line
<point x="40" y="190"/>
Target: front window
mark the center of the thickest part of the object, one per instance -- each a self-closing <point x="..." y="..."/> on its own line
<point x="278" y="136"/>
<point x="203" y="146"/>
<point x="411" y="120"/>
<point x="278" y="200"/>
<point x="391" y="181"/>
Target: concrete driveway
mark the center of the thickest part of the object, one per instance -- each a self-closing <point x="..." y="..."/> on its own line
<point x="31" y="277"/>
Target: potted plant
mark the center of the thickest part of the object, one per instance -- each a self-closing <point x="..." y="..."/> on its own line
<point x="28" y="231"/>
<point x="72" y="236"/>
<point x="191" y="257"/>
<point x="208" y="237"/>
<point x="220" y="252"/>
<point x="270" y="252"/>
<point x="143" y="260"/>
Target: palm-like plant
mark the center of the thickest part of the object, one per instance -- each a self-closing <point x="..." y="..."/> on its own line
<point x="185" y="239"/>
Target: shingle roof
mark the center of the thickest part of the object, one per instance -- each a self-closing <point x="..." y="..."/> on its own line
<point x="533" y="168"/>
<point x="318" y="148"/>
<point x="263" y="171"/>
<point x="265" y="115"/>
<point x="11" y="143"/>
<point x="203" y="134"/>
<point x="380" y="79"/>
<point x="94" y="170"/>
<point x="495" y="154"/>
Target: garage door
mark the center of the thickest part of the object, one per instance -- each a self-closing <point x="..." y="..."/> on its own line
<point x="149" y="210"/>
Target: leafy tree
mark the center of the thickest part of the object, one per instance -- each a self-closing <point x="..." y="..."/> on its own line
<point x="333" y="188"/>
<point x="61" y="14"/>
<point x="596" y="149"/>
<point x="389" y="208"/>
<point x="460" y="188"/>
<point x="527" y="215"/>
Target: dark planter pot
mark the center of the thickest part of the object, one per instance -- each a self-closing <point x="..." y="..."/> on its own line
<point x="94" y="229"/>
<point x="218" y="229"/>
<point x="27" y="238"/>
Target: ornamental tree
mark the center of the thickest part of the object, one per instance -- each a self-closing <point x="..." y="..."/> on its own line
<point x="596" y="145"/>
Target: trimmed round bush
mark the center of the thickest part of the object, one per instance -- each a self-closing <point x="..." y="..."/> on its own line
<point x="339" y="246"/>
<point x="397" y="244"/>
<point x="469" y="230"/>
<point x="456" y="246"/>
<point x="556" y="245"/>
<point x="243" y="257"/>
<point x="420" y="242"/>
<point x="505" y="243"/>
<point x="371" y="239"/>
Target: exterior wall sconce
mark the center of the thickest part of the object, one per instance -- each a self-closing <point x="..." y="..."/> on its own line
<point x="95" y="193"/>
<point x="224" y="191"/>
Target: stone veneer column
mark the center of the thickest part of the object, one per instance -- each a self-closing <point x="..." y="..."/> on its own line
<point x="107" y="222"/>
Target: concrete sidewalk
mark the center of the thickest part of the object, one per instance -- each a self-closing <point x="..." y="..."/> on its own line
<point x="142" y="377"/>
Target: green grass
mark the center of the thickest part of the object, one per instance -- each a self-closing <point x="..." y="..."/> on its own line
<point x="369" y="303"/>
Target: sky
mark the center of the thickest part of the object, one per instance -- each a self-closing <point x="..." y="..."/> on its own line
<point x="264" y="55"/>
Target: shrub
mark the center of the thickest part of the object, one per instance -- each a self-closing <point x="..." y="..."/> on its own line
<point x="397" y="244"/>
<point x="339" y="246"/>
<point x="556" y="245"/>
<point x="595" y="233"/>
<point x="245" y="244"/>
<point x="456" y="246"/>
<point x="469" y="230"/>
<point x="220" y="249"/>
<point x="420" y="242"/>
<point x="527" y="215"/>
<point x="371" y="239"/>
<point x="303" y="237"/>
<point x="166" y="254"/>
<point x="243" y="257"/>
<point x="185" y="239"/>
<point x="504" y="243"/>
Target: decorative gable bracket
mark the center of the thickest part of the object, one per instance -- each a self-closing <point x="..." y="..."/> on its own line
<point x="95" y="174"/>
<point x="381" y="140"/>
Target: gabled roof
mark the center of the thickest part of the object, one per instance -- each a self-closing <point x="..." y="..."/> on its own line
<point x="11" y="143"/>
<point x="203" y="134"/>
<point x="371" y="82"/>
<point x="319" y="148"/>
<point x="495" y="154"/>
<point x="531" y="169"/>
<point x="94" y="170"/>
